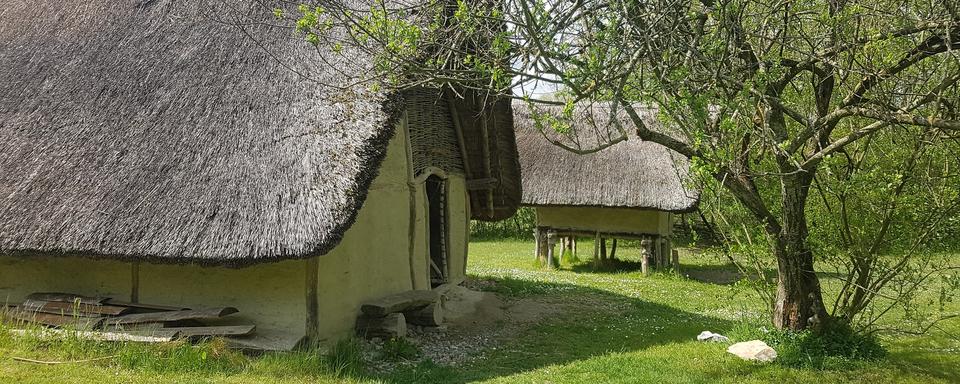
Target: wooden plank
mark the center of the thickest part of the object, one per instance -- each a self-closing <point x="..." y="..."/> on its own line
<point x="79" y="309"/>
<point x="567" y="231"/>
<point x="133" y="328"/>
<point x="66" y="297"/>
<point x="224" y="330"/>
<point x="142" y="307"/>
<point x="481" y="184"/>
<point x="55" y="320"/>
<point x="159" y="337"/>
<point x="159" y="317"/>
<point x="399" y="302"/>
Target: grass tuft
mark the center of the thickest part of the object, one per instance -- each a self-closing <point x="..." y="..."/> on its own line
<point x="210" y="356"/>
<point x="836" y="347"/>
<point x="346" y="358"/>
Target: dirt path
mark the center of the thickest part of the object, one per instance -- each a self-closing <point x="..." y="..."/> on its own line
<point x="479" y="321"/>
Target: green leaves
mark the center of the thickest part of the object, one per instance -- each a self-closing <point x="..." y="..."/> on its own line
<point x="312" y="22"/>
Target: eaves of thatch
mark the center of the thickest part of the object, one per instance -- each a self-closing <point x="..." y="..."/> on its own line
<point x="152" y="130"/>
<point x="629" y="174"/>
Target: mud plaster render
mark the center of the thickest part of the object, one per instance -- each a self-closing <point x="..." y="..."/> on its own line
<point x="372" y="260"/>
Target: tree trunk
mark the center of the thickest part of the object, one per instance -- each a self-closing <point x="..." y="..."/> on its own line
<point x="799" y="301"/>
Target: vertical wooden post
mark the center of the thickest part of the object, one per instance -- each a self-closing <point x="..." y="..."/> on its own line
<point x="573" y="240"/>
<point x="655" y="253"/>
<point x="665" y="250"/>
<point x="541" y="251"/>
<point x="135" y="281"/>
<point x="596" y="250"/>
<point x="536" y="243"/>
<point x="676" y="261"/>
<point x="613" y="249"/>
<point x="645" y="257"/>
<point x="567" y="242"/>
<point x="551" y="246"/>
<point x="603" y="250"/>
<point x="312" y="279"/>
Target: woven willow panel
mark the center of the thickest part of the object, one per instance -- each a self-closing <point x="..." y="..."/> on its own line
<point x="433" y="139"/>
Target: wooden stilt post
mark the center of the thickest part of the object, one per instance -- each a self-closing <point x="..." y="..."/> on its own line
<point x="541" y="252"/>
<point x="573" y="239"/>
<point x="613" y="249"/>
<point x="664" y="253"/>
<point x="536" y="243"/>
<point x="596" y="250"/>
<point x="676" y="261"/>
<point x="645" y="257"/>
<point x="655" y="250"/>
<point x="551" y="245"/>
<point x="603" y="250"/>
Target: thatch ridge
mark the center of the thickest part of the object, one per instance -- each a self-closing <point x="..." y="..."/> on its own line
<point x="151" y="132"/>
<point x="629" y="174"/>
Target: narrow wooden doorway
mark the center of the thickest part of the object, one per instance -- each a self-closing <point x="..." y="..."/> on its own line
<point x="437" y="217"/>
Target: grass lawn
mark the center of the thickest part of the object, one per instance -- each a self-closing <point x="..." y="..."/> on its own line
<point x="629" y="329"/>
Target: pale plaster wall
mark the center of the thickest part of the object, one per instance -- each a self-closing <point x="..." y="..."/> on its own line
<point x="605" y="219"/>
<point x="270" y="295"/>
<point x="372" y="260"/>
<point x="21" y="276"/>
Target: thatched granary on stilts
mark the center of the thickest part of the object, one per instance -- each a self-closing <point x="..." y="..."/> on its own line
<point x="152" y="153"/>
<point x="629" y="190"/>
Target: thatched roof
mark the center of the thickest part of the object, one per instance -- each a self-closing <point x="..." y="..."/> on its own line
<point x="629" y="174"/>
<point x="150" y="130"/>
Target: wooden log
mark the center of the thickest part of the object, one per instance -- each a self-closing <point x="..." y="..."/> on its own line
<point x="431" y="315"/>
<point x="389" y="326"/>
<point x="170" y="316"/>
<point x="676" y="260"/>
<point x="399" y="302"/>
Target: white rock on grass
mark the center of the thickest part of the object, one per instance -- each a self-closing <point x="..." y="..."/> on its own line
<point x="714" y="337"/>
<point x="754" y="350"/>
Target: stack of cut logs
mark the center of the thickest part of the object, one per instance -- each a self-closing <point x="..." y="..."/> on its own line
<point x="388" y="316"/>
<point x="108" y="319"/>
